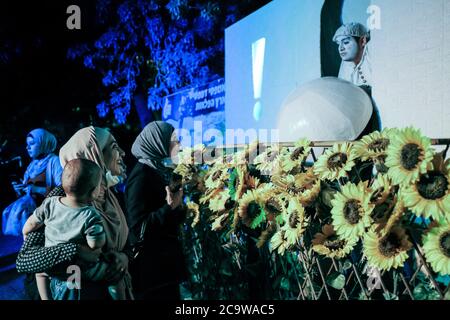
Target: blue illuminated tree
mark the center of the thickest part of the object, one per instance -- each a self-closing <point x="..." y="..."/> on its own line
<point x="156" y="47"/>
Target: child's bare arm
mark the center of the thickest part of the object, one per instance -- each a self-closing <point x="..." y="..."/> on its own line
<point x="97" y="243"/>
<point x="31" y="225"/>
<point x="95" y="232"/>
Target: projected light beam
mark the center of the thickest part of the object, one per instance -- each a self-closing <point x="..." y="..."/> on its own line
<point x="258" y="50"/>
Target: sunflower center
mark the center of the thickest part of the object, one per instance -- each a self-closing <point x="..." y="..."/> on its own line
<point x="253" y="210"/>
<point x="293" y="219"/>
<point x="410" y="156"/>
<point x="390" y="245"/>
<point x="296" y="153"/>
<point x="432" y="186"/>
<point x="334" y="243"/>
<point x="351" y="211"/>
<point x="337" y="160"/>
<point x="445" y="243"/>
<point x="273" y="206"/>
<point x="379" y="144"/>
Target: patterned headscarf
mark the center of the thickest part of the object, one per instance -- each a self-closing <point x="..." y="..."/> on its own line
<point x="152" y="144"/>
<point x="89" y="143"/>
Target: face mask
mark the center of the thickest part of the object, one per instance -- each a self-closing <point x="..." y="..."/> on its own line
<point x="112" y="180"/>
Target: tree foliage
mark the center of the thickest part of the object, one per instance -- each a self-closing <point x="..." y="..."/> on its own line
<point x="157" y="47"/>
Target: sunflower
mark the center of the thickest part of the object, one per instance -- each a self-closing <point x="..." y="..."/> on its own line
<point x="388" y="251"/>
<point x="210" y="194"/>
<point x="188" y="172"/>
<point x="285" y="183"/>
<point x="217" y="203"/>
<point x="335" y="162"/>
<point x="305" y="186"/>
<point x="371" y="146"/>
<point x="436" y="246"/>
<point x="295" y="221"/>
<point x="430" y="194"/>
<point x="381" y="188"/>
<point x="252" y="182"/>
<point x="351" y="211"/>
<point x="216" y="176"/>
<point x="268" y="161"/>
<point x="251" y="209"/>
<point x="383" y="195"/>
<point x="236" y="182"/>
<point x="391" y="217"/>
<point x="308" y="186"/>
<point x="279" y="242"/>
<point x="295" y="158"/>
<point x="409" y="154"/>
<point x="273" y="204"/>
<point x="330" y="245"/>
<point x="266" y="234"/>
<point x="219" y="222"/>
<point x="245" y="156"/>
<point x="193" y="210"/>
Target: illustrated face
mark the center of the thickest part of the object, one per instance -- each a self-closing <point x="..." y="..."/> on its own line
<point x="32" y="148"/>
<point x="174" y="147"/>
<point x="348" y="48"/>
<point x="113" y="156"/>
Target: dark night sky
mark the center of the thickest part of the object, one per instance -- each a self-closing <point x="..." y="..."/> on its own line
<point x="39" y="85"/>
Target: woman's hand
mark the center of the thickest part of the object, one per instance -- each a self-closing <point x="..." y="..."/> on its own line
<point x="18" y="187"/>
<point x="174" y="200"/>
<point x="118" y="265"/>
<point x="87" y="254"/>
<point x="31" y="188"/>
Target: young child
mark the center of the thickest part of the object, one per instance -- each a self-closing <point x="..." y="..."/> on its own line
<point x="73" y="219"/>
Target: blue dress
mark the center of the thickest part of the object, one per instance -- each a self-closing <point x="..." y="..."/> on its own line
<point x="48" y="171"/>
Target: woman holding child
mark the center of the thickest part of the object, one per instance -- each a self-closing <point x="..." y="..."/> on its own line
<point x="99" y="146"/>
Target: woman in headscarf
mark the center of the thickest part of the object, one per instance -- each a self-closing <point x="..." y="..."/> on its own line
<point x="159" y="267"/>
<point x="99" y="146"/>
<point x="42" y="175"/>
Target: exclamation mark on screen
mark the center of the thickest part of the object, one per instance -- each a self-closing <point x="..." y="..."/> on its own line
<point x="258" y="50"/>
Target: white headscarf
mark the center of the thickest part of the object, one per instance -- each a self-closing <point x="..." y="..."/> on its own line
<point x="89" y="143"/>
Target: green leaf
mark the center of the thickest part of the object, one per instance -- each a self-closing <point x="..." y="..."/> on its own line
<point x="285" y="284"/>
<point x="279" y="219"/>
<point x="421" y="292"/>
<point x="336" y="280"/>
<point x="390" y="296"/>
<point x="258" y="220"/>
<point x="362" y="296"/>
<point x="231" y="183"/>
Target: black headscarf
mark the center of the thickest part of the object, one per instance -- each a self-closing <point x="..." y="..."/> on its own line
<point x="151" y="146"/>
